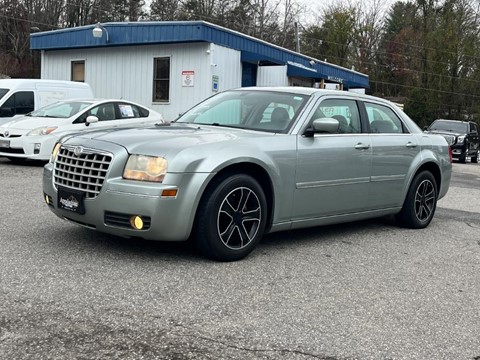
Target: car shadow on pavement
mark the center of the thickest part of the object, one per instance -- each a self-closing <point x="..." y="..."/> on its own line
<point x="107" y="244"/>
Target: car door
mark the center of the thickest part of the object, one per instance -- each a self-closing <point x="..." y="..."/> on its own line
<point x="333" y="169"/>
<point x="393" y="151"/>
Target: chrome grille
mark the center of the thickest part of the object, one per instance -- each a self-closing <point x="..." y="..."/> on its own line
<point x="85" y="171"/>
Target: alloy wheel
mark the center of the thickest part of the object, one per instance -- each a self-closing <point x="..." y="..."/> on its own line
<point x="425" y="200"/>
<point x="239" y="217"/>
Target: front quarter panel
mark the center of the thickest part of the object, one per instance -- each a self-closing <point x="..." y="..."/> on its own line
<point x="275" y="154"/>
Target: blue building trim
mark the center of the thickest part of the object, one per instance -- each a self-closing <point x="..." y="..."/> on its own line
<point x="147" y="33"/>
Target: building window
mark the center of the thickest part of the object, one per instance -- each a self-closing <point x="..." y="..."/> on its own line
<point x="78" y="71"/>
<point x="161" y="79"/>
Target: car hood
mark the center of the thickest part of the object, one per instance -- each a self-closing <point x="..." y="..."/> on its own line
<point x="30" y="123"/>
<point x="163" y="140"/>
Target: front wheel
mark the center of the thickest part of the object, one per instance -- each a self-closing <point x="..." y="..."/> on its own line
<point x="231" y="218"/>
<point x="420" y="203"/>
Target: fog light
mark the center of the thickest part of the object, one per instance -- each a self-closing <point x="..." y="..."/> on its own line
<point x="36" y="148"/>
<point x="136" y="222"/>
<point x="46" y="200"/>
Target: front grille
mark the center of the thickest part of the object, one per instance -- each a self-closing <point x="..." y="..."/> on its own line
<point x="85" y="171"/>
<point x="10" y="136"/>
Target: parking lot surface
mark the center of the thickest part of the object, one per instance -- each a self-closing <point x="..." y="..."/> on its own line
<point x="367" y="290"/>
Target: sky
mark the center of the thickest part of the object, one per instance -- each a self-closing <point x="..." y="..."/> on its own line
<point x="315" y="7"/>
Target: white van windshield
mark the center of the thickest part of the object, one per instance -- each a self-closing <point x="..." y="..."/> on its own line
<point x="3" y="92"/>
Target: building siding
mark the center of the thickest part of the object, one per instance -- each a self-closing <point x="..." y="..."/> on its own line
<point x="127" y="72"/>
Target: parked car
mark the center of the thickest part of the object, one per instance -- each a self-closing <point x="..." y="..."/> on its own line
<point x="34" y="135"/>
<point x="21" y="96"/>
<point x="251" y="161"/>
<point x="462" y="136"/>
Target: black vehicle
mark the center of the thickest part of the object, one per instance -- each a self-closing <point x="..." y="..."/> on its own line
<point x="462" y="136"/>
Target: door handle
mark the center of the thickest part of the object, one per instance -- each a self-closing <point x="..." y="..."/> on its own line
<point x="411" y="145"/>
<point x="361" y="146"/>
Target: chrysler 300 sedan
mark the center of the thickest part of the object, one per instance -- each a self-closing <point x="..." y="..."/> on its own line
<point x="247" y="162"/>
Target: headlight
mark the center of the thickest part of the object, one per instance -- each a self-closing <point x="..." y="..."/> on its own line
<point x="145" y="168"/>
<point x="461" y="139"/>
<point x="44" y="130"/>
<point x="55" y="150"/>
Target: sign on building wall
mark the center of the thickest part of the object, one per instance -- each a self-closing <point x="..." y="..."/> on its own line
<point x="188" y="77"/>
<point x="215" y="83"/>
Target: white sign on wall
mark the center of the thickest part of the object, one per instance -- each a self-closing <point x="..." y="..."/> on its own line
<point x="188" y="77"/>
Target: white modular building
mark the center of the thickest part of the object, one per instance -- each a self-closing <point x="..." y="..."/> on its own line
<point x="170" y="66"/>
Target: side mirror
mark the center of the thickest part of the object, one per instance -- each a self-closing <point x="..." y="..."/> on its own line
<point x="90" y="120"/>
<point x="323" y="125"/>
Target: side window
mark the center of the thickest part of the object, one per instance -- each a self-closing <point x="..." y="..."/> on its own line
<point x="128" y="111"/>
<point x="383" y="120"/>
<point x="20" y="103"/>
<point x="473" y="127"/>
<point x="104" y="112"/>
<point x="343" y="110"/>
<point x="161" y="79"/>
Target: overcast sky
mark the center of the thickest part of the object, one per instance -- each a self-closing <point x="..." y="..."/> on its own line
<point x="315" y="7"/>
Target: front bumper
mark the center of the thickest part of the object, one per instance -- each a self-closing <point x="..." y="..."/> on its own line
<point x="29" y="147"/>
<point x="167" y="218"/>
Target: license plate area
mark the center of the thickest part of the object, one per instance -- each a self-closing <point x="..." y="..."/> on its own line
<point x="4" y="144"/>
<point x="71" y="200"/>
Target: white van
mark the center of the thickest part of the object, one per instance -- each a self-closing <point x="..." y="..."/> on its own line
<point x="20" y="96"/>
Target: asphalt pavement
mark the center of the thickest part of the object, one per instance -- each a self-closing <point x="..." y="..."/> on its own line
<point x="367" y="290"/>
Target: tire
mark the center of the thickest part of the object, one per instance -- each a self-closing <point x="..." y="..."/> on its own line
<point x="231" y="218"/>
<point x="474" y="159"/>
<point x="420" y="203"/>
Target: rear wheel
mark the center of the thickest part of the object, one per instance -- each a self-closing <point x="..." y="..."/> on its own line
<point x="420" y="203"/>
<point x="231" y="218"/>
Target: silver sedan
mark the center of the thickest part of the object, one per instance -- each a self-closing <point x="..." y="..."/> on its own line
<point x="250" y="161"/>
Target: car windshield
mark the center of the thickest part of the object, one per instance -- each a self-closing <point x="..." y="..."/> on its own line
<point x="3" y="92"/>
<point x="60" y="109"/>
<point x="451" y="126"/>
<point x="257" y="110"/>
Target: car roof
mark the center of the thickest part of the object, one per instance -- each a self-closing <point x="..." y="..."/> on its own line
<point x="310" y="91"/>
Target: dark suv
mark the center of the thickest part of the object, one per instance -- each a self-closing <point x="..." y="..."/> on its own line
<point x="462" y="137"/>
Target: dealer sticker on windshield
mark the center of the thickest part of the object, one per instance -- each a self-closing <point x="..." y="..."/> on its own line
<point x="71" y="200"/>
